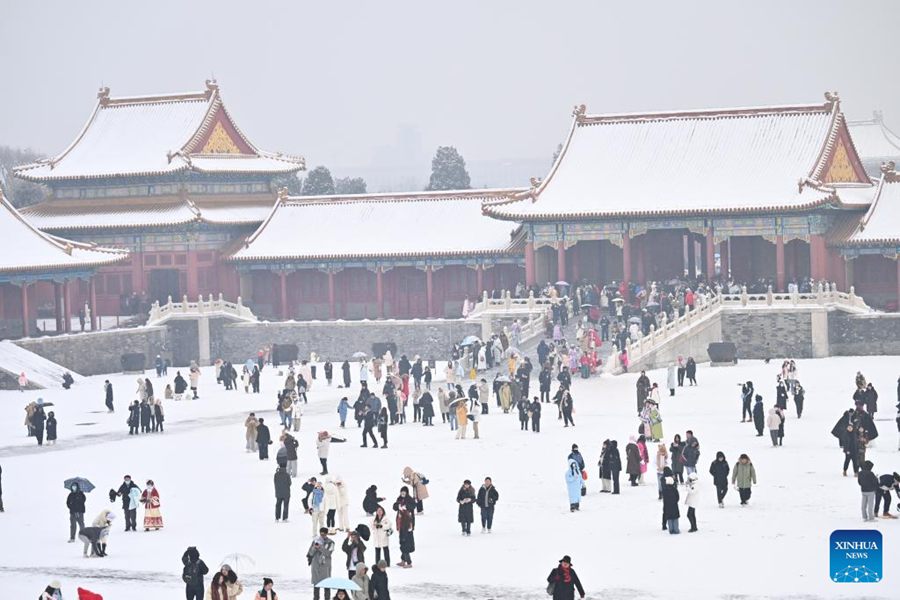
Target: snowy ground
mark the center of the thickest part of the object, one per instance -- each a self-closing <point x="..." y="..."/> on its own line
<point x="219" y="498"/>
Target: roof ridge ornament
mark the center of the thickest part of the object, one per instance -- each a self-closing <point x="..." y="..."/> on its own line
<point x="535" y="184"/>
<point x="211" y="87"/>
<point x="578" y="112"/>
<point x="832" y="99"/>
<point x="283" y="194"/>
<point x="878" y="116"/>
<point x="103" y="95"/>
<point x="888" y="170"/>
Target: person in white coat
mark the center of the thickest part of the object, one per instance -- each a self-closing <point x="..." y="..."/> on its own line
<point x="331" y="503"/>
<point x="388" y="362"/>
<point x="670" y="379"/>
<point x="474" y="414"/>
<point x="773" y="423"/>
<point x="381" y="528"/>
<point x="343" y="504"/>
<point x="363" y="372"/>
<point x="692" y="500"/>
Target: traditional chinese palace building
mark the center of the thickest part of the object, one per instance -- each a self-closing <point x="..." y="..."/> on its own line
<point x="172" y="179"/>
<point x="773" y="193"/>
<point x="32" y="262"/>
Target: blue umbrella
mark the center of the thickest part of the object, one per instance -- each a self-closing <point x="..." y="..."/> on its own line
<point x="83" y="484"/>
<point x="469" y="340"/>
<point x="338" y="583"/>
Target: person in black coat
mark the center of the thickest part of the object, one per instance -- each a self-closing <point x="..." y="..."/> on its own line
<point x="799" y="397"/>
<point x="108" y="393"/>
<point x="134" y="418"/>
<point x="329" y="371"/>
<point x="544" y="380"/>
<point x="51" y="428"/>
<point x="746" y="401"/>
<point x="565" y="378"/>
<point x="129" y="510"/>
<point x="370" y="420"/>
<point x="487" y="497"/>
<point x="75" y="503"/>
<point x="868" y="486"/>
<point x="465" y="498"/>
<point x="192" y="575"/>
<point x="370" y="502"/>
<point x="719" y="470"/>
<point x="759" y="416"/>
<point x="158" y="416"/>
<point x="691" y="370"/>
<point x="781" y="394"/>
<point x="282" y="494"/>
<point x="263" y="439"/>
<point x="565" y="581"/>
<point x="180" y="385"/>
<point x="670" y="499"/>
<point x="427" y="403"/>
<point x="887" y="483"/>
<point x="145" y="412"/>
<point x="614" y="466"/>
<point x="345" y="370"/>
<point x="378" y="584"/>
<point x="307" y="488"/>
<point x="850" y="446"/>
<point x="535" y="409"/>
<point x="355" y="550"/>
<point x="522" y="406"/>
<point x="37" y="424"/>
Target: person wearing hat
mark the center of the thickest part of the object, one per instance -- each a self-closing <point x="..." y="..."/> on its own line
<point x="563" y="581"/>
<point x="52" y="591"/>
<point x="361" y="578"/>
<point x="670" y="499"/>
<point x="266" y="593"/>
<point x="378" y="585"/>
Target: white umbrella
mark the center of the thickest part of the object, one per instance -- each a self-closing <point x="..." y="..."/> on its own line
<point x="338" y="583"/>
<point x="359" y="355"/>
<point x="236" y="560"/>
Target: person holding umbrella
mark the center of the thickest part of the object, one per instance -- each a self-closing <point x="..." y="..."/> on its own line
<point x="355" y="550"/>
<point x="75" y="503"/>
<point x="319" y="559"/>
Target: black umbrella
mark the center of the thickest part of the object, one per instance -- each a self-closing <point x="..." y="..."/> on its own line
<point x="83" y="484"/>
<point x="363" y="531"/>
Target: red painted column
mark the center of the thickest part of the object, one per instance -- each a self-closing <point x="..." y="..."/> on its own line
<point x="723" y="254"/>
<point x="710" y="255"/>
<point x="193" y="279"/>
<point x="817" y="265"/>
<point x="379" y="292"/>
<point x="94" y="315"/>
<point x="67" y="310"/>
<point x="137" y="272"/>
<point x="779" y="263"/>
<point x="641" y="258"/>
<point x="529" y="264"/>
<point x="284" y="307"/>
<point x="561" y="260"/>
<point x="57" y="305"/>
<point x="479" y="282"/>
<point x="898" y="281"/>
<point x="626" y="258"/>
<point x="429" y="290"/>
<point x="25" y="316"/>
<point x="331" y="311"/>
<point x="576" y="268"/>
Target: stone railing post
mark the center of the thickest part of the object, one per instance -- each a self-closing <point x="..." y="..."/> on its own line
<point x="819" y="294"/>
<point x="530" y="299"/>
<point x="769" y="298"/>
<point x="184" y="303"/>
<point x="507" y="300"/>
<point x="744" y="295"/>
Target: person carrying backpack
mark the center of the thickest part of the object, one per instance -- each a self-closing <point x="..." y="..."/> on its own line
<point x="192" y="575"/>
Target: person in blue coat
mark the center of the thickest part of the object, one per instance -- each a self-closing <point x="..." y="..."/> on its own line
<point x="343" y="407"/>
<point x="573" y="485"/>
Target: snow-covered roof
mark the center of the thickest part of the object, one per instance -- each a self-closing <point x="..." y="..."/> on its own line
<point x="694" y="162"/>
<point x="881" y="225"/>
<point x="874" y="142"/>
<point x="72" y="215"/>
<point x="28" y="250"/>
<point x="158" y="135"/>
<point x="415" y="224"/>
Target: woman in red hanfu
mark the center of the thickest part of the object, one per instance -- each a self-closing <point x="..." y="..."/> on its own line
<point x="150" y="500"/>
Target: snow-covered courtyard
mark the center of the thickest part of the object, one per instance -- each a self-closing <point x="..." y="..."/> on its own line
<point x="218" y="497"/>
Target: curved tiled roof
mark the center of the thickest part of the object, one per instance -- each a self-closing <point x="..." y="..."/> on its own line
<point x="720" y="161"/>
<point x="881" y="225"/>
<point x="29" y="250"/>
<point x="416" y="224"/>
<point x="154" y="135"/>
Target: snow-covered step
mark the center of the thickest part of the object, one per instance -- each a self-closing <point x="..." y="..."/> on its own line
<point x="39" y="371"/>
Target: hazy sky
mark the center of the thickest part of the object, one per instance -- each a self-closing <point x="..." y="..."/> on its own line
<point x="349" y="83"/>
